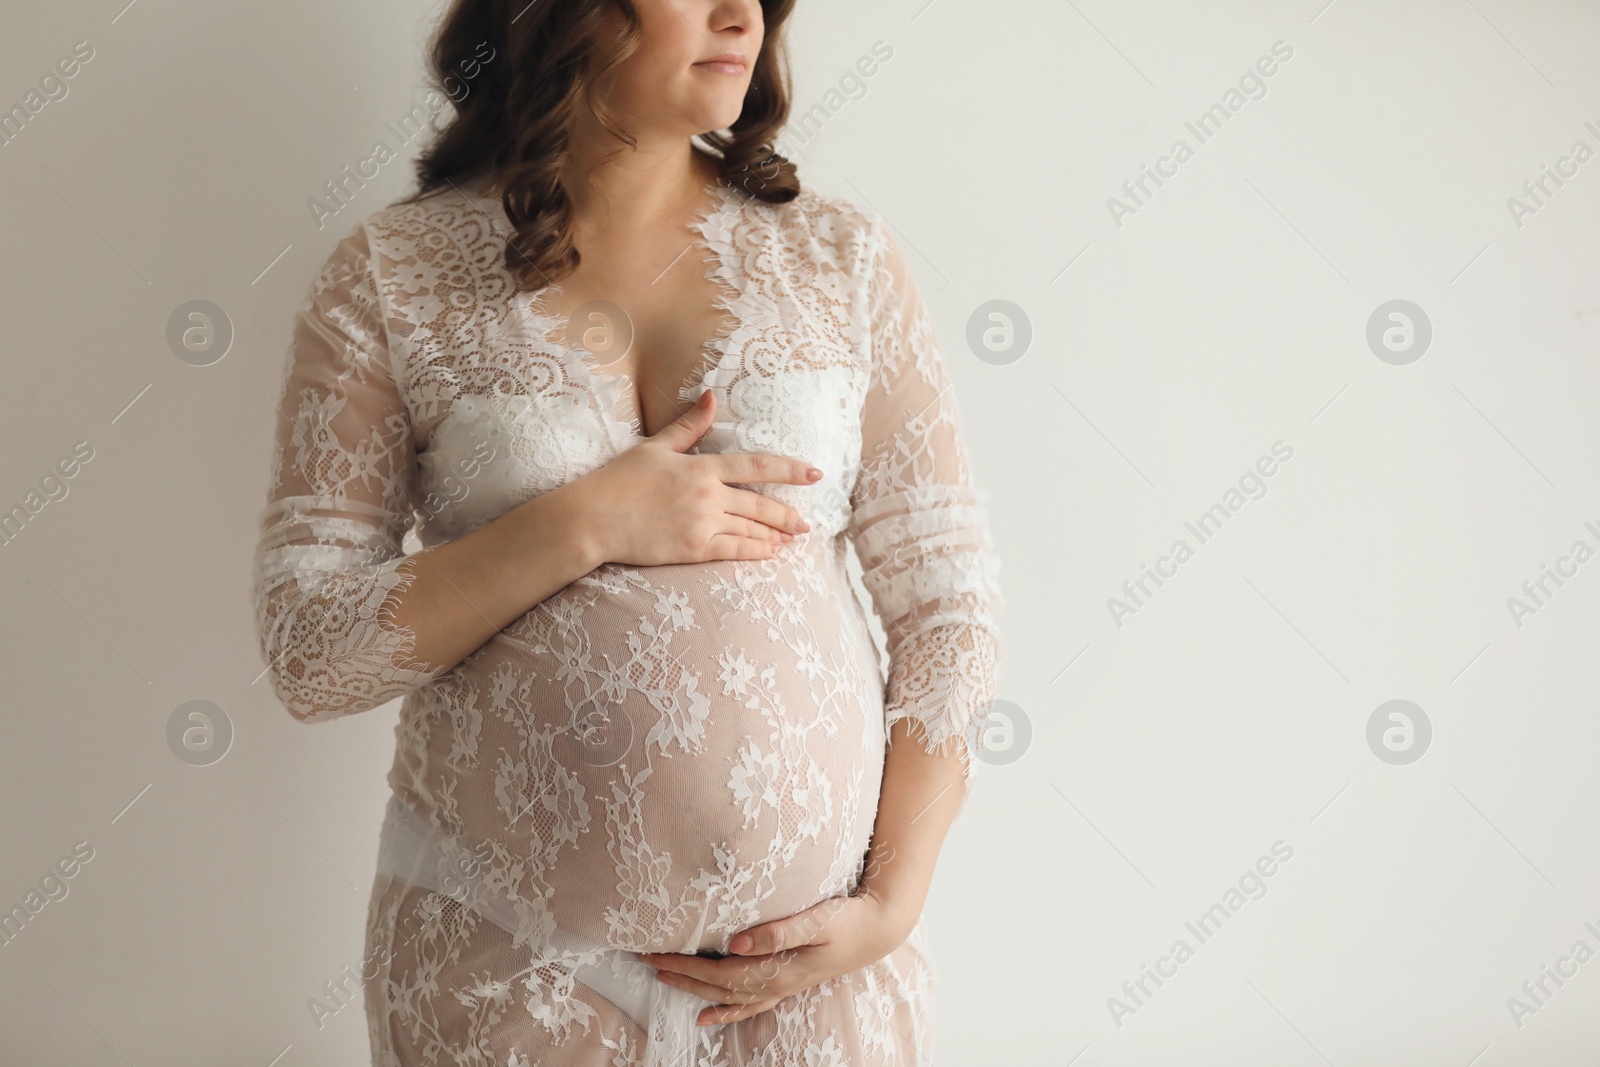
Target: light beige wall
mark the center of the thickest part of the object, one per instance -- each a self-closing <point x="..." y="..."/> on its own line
<point x="1226" y="312"/>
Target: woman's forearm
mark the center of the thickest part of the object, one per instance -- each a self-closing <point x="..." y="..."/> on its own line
<point x="921" y="794"/>
<point x="465" y="591"/>
<point x="651" y="505"/>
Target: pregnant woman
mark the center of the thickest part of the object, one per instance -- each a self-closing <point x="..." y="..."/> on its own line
<point x="657" y="796"/>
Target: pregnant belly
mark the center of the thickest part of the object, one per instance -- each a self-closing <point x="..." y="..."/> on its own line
<point x="665" y="756"/>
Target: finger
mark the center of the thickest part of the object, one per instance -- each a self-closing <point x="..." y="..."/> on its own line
<point x="733" y="546"/>
<point x="726" y="972"/>
<point x="748" y="467"/>
<point x="775" y="936"/>
<point x="765" y="510"/>
<point x="739" y="526"/>
<point x="689" y="427"/>
<point x="748" y="977"/>
<point x="730" y="1013"/>
<point x="780" y="935"/>
<point x="714" y="993"/>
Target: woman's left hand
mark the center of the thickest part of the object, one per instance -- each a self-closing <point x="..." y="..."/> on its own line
<point x="783" y="957"/>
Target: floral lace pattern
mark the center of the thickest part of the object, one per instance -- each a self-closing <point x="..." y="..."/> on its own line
<point x="652" y="759"/>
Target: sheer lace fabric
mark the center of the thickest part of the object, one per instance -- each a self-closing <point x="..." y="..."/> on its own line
<point x="655" y="758"/>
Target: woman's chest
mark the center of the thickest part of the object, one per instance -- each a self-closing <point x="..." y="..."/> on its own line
<point x="511" y="394"/>
<point x="517" y="415"/>
<point x="653" y="328"/>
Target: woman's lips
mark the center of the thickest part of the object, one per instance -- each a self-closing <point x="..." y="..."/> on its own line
<point x="727" y="63"/>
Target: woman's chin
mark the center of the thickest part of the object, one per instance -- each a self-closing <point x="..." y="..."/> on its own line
<point x="715" y="115"/>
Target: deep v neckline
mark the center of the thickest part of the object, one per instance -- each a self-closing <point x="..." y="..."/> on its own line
<point x="712" y="226"/>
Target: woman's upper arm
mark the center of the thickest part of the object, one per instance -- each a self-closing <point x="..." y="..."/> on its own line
<point x="343" y="467"/>
<point x="919" y="521"/>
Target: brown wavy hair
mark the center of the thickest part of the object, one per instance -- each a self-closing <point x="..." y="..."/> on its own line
<point x="515" y="118"/>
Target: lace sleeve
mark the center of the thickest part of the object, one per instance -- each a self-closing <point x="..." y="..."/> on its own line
<point x="919" y="525"/>
<point x="329" y="557"/>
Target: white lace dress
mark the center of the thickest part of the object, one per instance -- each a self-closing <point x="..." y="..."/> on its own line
<point x="654" y="758"/>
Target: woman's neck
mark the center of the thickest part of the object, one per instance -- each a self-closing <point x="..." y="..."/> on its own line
<point x="660" y="182"/>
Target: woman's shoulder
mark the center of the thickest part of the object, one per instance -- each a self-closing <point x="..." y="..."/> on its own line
<point x="849" y="231"/>
<point x="442" y="225"/>
<point x="830" y="212"/>
<point x="451" y="211"/>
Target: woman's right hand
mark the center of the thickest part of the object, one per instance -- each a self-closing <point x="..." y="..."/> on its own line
<point x="655" y="504"/>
